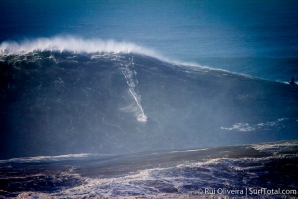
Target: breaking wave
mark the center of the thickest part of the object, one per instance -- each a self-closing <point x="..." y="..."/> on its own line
<point x="66" y="95"/>
<point x="80" y="45"/>
<point x="72" y="44"/>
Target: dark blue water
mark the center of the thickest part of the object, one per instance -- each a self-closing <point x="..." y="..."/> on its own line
<point x="252" y="171"/>
<point x="55" y="103"/>
<point x="107" y="80"/>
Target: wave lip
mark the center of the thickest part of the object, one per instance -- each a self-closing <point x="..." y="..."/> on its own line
<point x="72" y="44"/>
<point x="80" y="45"/>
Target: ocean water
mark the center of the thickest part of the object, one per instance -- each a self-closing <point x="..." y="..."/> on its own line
<point x="257" y="38"/>
<point x="152" y="99"/>
<point x="247" y="171"/>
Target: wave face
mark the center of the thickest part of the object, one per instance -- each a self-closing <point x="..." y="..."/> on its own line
<point x="61" y="96"/>
<point x="267" y="170"/>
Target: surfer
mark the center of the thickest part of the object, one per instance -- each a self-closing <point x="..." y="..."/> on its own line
<point x="292" y="81"/>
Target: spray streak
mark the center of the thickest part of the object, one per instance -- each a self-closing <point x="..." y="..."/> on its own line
<point x="142" y="117"/>
<point x="132" y="82"/>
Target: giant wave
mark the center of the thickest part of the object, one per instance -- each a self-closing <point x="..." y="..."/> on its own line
<point x="70" y="95"/>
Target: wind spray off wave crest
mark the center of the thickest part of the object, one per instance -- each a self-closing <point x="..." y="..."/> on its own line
<point x="80" y="45"/>
<point x="72" y="44"/>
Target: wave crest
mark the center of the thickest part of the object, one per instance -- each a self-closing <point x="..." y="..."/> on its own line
<point x="72" y="44"/>
<point x="80" y="45"/>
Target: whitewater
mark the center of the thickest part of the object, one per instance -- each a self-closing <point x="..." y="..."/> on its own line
<point x="250" y="171"/>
